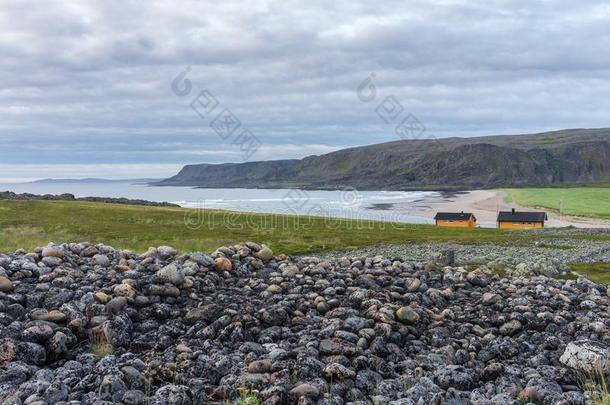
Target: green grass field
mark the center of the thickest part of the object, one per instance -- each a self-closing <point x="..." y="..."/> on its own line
<point x="34" y="223"/>
<point x="577" y="201"/>
<point x="598" y="272"/>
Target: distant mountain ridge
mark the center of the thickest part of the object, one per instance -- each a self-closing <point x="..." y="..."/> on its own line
<point x="565" y="157"/>
<point x="97" y="180"/>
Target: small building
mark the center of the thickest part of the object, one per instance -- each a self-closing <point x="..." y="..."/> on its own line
<point x="521" y="219"/>
<point x="455" y="219"/>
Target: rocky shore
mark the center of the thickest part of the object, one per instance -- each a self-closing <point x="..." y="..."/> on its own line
<point x="12" y="196"/>
<point x="88" y="324"/>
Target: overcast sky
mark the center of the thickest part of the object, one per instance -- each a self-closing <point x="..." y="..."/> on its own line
<point x="86" y="86"/>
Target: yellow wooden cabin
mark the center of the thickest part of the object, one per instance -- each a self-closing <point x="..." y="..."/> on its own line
<point x="456" y="219"/>
<point x="521" y="219"/>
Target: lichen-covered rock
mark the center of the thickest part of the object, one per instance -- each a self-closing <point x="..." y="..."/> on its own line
<point x="458" y="377"/>
<point x="124" y="290"/>
<point x="164" y="328"/>
<point x="587" y="356"/>
<point x="38" y="333"/>
<point x="511" y="327"/>
<point x="265" y="254"/>
<point x="101" y="260"/>
<point x="172" y="273"/>
<point x="407" y="315"/>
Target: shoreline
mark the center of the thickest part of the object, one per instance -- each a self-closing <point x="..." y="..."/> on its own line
<point x="485" y="204"/>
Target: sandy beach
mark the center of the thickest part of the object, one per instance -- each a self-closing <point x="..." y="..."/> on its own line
<point x="485" y="205"/>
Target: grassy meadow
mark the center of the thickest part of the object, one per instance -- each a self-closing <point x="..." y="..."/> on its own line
<point x="27" y="224"/>
<point x="576" y="201"/>
<point x="598" y="272"/>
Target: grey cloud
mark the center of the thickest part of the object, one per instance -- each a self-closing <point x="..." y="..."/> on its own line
<point x="85" y="81"/>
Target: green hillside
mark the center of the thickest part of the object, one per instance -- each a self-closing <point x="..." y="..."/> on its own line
<point x="577" y="201"/>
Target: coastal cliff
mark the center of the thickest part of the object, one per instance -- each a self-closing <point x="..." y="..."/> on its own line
<point x="578" y="156"/>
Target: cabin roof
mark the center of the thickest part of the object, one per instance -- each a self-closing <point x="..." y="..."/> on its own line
<point x="522" y="216"/>
<point x="454" y="216"/>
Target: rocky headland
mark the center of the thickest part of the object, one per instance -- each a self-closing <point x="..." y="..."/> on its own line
<point x="89" y="324"/>
<point x="568" y="157"/>
<point x="12" y="196"/>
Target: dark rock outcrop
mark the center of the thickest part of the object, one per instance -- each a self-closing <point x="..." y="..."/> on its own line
<point x="12" y="196"/>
